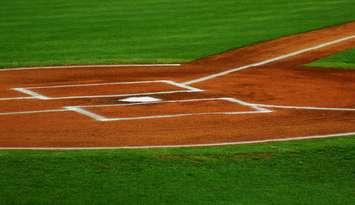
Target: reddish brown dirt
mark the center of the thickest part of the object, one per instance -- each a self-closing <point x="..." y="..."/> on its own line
<point x="117" y="89"/>
<point x="285" y="82"/>
<point x="171" y="108"/>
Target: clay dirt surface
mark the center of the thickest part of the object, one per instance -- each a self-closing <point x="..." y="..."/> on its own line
<point x="281" y="99"/>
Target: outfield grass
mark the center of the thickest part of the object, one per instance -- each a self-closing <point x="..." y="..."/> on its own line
<point x="299" y="172"/>
<point x="342" y="60"/>
<point x="56" y="32"/>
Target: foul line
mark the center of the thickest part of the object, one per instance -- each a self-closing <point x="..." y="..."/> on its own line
<point x="305" y="107"/>
<point x="346" y="134"/>
<point x="90" y="66"/>
<point x="282" y="57"/>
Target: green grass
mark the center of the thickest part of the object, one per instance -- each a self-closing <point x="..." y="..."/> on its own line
<point x="57" y="32"/>
<point x="342" y="60"/>
<point x="299" y="172"/>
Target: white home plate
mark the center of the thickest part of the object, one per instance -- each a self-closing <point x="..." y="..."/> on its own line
<point x="140" y="99"/>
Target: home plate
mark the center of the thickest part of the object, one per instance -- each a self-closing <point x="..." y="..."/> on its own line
<point x="140" y="99"/>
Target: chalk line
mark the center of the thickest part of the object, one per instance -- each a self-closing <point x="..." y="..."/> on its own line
<point x="90" y="66"/>
<point x="279" y="58"/>
<point x="345" y="134"/>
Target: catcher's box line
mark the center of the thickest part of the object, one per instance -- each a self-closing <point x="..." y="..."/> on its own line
<point x="345" y="134"/>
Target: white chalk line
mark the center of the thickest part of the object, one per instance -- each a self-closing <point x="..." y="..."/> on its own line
<point x="78" y="108"/>
<point x="17" y="98"/>
<point x="279" y="58"/>
<point x="181" y="85"/>
<point x="261" y="108"/>
<point x="171" y="101"/>
<point x="101" y="118"/>
<point x="345" y="134"/>
<point x="90" y="66"/>
<point x="305" y="107"/>
<point x="97" y="117"/>
<point x="37" y="95"/>
<point x="84" y="112"/>
<point x="119" y="95"/>
<point x="103" y="84"/>
<point x="31" y="93"/>
<point x="32" y="112"/>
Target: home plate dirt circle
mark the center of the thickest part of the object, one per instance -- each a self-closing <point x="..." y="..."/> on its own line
<point x="254" y="94"/>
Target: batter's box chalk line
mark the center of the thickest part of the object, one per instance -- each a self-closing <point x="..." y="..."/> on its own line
<point x="84" y="110"/>
<point x="40" y="96"/>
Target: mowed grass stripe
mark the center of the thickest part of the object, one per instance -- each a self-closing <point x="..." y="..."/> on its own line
<point x="342" y="60"/>
<point x="303" y="172"/>
<point x="38" y="32"/>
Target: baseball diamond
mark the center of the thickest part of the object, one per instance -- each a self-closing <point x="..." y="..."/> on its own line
<point x="177" y="102"/>
<point x="254" y="94"/>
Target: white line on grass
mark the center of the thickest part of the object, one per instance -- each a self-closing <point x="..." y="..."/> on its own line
<point x="345" y="134"/>
<point x="90" y="66"/>
<point x="279" y="58"/>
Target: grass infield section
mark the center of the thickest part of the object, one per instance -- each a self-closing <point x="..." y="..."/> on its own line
<point x="342" y="60"/>
<point x="300" y="172"/>
<point x="57" y="32"/>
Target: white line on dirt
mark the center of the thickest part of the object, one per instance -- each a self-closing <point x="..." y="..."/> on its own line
<point x="97" y="117"/>
<point x="90" y="66"/>
<point x="279" y="58"/>
<point x="120" y="95"/>
<point x="101" y="84"/>
<point x="17" y="98"/>
<point x="168" y="101"/>
<point x="181" y="85"/>
<point x="182" y="115"/>
<point x="31" y="93"/>
<point x="346" y="134"/>
<point x="305" y="107"/>
<point x="27" y="90"/>
<point x="33" y="112"/>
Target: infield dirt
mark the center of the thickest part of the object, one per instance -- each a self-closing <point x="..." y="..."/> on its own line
<point x="284" y="82"/>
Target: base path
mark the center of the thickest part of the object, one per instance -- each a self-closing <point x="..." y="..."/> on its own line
<point x="254" y="94"/>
